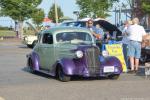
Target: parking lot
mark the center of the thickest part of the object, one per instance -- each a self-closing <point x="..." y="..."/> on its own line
<point x="17" y="83"/>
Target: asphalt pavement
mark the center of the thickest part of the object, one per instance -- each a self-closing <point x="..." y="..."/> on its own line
<point x="17" y="83"/>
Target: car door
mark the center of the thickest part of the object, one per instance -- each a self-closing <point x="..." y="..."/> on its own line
<point x="47" y="50"/>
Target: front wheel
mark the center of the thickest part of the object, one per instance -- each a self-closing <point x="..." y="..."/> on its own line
<point x="61" y="75"/>
<point x="34" y="43"/>
<point x="115" y="77"/>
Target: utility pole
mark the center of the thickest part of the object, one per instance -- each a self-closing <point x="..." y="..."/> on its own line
<point x="115" y="16"/>
<point x="56" y="12"/>
<point x="120" y="14"/>
<point x="77" y="14"/>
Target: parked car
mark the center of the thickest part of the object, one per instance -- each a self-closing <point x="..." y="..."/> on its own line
<point x="147" y="31"/>
<point x="145" y="52"/>
<point x="67" y="51"/>
<point x="30" y="40"/>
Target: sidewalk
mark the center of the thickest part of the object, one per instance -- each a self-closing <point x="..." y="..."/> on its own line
<point x="8" y="39"/>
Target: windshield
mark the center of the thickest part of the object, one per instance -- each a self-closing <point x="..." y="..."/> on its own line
<point x="73" y="37"/>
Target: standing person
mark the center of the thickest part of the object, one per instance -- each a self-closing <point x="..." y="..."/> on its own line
<point x="107" y="36"/>
<point x="100" y="31"/>
<point x="17" y="29"/>
<point x="125" y="41"/>
<point x="93" y="29"/>
<point x="135" y="33"/>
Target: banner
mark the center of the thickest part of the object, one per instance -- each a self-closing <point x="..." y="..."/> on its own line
<point x="116" y="50"/>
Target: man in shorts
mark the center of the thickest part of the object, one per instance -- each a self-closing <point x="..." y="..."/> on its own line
<point x="135" y="33"/>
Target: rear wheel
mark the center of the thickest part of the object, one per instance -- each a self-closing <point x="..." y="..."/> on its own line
<point x="61" y="75"/>
<point x="30" y="66"/>
<point x="29" y="46"/>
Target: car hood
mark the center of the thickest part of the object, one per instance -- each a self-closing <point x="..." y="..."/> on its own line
<point x="66" y="46"/>
<point x="73" y="46"/>
<point x="108" y="26"/>
<point x="66" y="50"/>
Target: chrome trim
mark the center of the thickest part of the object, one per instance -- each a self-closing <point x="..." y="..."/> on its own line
<point x="92" y="60"/>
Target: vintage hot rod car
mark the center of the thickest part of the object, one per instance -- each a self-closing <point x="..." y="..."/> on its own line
<point x="67" y="51"/>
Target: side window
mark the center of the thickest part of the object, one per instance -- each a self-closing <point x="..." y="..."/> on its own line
<point x="47" y="39"/>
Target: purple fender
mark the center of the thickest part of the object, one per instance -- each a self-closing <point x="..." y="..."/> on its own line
<point x="111" y="61"/>
<point x="35" y="60"/>
<point x="72" y="66"/>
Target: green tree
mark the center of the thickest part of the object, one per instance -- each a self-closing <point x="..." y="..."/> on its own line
<point x="146" y="10"/>
<point x="19" y="10"/>
<point x="139" y="8"/>
<point x="94" y="8"/>
<point x="38" y="17"/>
<point x="146" y="6"/>
<point x="51" y="13"/>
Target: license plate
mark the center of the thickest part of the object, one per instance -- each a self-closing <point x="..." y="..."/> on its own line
<point x="108" y="69"/>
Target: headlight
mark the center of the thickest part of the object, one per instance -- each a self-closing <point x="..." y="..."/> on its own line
<point x="79" y="54"/>
<point x="105" y="53"/>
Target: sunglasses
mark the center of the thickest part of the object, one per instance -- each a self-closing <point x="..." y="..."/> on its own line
<point x="90" y="23"/>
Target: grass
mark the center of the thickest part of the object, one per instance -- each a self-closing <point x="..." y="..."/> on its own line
<point x="7" y="33"/>
<point x="11" y="33"/>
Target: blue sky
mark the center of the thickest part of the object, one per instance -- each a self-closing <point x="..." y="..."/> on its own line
<point x="67" y="6"/>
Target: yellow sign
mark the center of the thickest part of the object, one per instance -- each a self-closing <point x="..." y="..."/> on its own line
<point x="116" y="50"/>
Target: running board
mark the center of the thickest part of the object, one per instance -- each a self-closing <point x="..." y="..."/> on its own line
<point x="45" y="72"/>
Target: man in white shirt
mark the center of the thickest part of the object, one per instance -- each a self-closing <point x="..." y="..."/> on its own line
<point x="135" y="34"/>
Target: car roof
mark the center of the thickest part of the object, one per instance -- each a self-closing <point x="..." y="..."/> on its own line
<point x="65" y="29"/>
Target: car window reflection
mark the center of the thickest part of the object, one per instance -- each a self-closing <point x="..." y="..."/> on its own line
<point x="72" y="36"/>
<point x="47" y="39"/>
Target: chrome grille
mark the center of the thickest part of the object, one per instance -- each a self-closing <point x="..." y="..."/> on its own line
<point x="92" y="60"/>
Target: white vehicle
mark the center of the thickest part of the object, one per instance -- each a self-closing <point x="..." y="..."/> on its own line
<point x="30" y="40"/>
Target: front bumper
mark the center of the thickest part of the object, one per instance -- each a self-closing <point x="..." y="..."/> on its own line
<point x="95" y="72"/>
